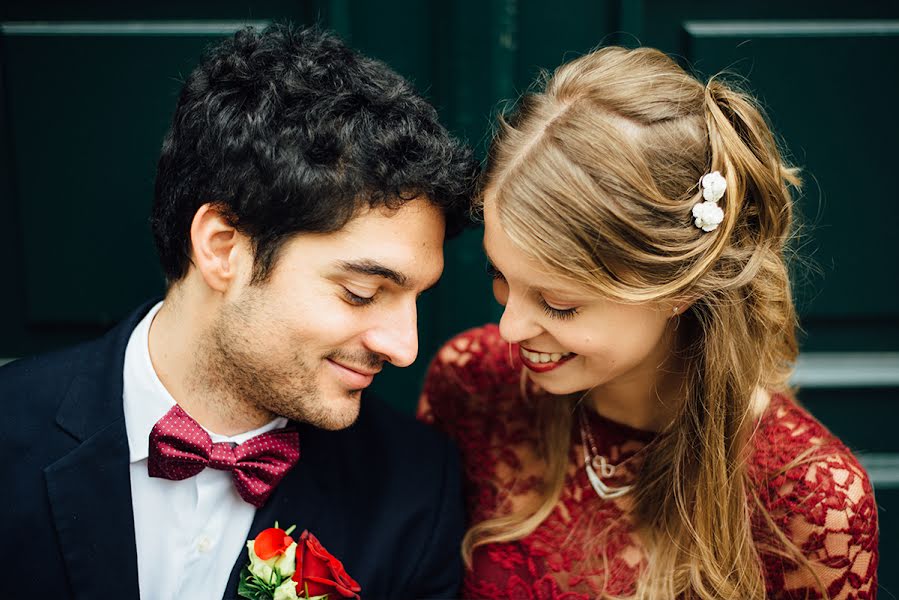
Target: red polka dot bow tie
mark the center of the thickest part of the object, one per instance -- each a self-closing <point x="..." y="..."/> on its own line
<point x="180" y="448"/>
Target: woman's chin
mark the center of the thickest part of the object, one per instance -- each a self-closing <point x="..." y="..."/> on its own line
<point x="557" y="388"/>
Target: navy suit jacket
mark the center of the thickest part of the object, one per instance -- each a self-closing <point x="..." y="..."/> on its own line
<point x="383" y="496"/>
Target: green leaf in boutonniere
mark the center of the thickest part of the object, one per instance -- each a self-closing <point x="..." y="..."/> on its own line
<point x="255" y="589"/>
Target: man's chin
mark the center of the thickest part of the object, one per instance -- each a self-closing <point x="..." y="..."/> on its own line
<point x="338" y="413"/>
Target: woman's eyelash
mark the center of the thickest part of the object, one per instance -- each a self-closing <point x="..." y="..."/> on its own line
<point x="492" y="271"/>
<point x="356" y="299"/>
<point x="558" y="313"/>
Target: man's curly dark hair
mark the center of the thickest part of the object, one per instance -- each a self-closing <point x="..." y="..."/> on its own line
<point x="287" y="130"/>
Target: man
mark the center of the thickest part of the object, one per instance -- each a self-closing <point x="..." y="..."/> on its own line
<point x="302" y="197"/>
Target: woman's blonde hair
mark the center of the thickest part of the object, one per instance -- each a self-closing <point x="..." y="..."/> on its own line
<point x="595" y="177"/>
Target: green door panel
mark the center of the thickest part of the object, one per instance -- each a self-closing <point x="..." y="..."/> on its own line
<point x="837" y="132"/>
<point x="86" y="92"/>
<point x="89" y="105"/>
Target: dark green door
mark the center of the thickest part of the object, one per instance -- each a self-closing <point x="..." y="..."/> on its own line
<point x="86" y="94"/>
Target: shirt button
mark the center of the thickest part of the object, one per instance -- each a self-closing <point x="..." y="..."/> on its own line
<point x="204" y="545"/>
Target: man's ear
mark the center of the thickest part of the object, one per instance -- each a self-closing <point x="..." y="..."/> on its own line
<point x="216" y="246"/>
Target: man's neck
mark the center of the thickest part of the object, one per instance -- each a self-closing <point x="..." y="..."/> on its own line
<point x="179" y="352"/>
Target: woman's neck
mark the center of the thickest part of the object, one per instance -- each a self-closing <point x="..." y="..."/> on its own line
<point x="641" y="404"/>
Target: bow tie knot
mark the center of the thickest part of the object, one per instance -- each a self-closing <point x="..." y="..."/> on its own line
<point x="222" y="456"/>
<point x="180" y="448"/>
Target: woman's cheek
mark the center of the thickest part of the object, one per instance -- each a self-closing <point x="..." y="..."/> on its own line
<point x="500" y="291"/>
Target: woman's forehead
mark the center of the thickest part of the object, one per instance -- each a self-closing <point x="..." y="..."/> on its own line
<point x="520" y="267"/>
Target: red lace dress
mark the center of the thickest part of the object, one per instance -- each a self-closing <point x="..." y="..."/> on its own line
<point x="587" y="547"/>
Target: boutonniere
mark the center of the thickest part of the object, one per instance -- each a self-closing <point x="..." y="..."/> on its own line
<point x="283" y="569"/>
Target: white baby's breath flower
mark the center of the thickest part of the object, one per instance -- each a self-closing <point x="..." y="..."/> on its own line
<point x="707" y="215"/>
<point x="286" y="591"/>
<point x="713" y="186"/>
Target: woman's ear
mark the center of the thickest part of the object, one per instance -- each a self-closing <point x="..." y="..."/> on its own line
<point x="216" y="247"/>
<point x="678" y="306"/>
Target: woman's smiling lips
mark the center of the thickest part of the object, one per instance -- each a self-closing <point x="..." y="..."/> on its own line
<point x="354" y="379"/>
<point x="541" y="362"/>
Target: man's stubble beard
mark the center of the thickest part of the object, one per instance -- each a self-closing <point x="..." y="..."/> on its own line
<point x="233" y="364"/>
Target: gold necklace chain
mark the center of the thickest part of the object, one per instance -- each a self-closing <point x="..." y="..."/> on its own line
<point x="598" y="462"/>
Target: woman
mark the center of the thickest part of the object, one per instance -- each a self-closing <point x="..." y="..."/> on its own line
<point x="627" y="429"/>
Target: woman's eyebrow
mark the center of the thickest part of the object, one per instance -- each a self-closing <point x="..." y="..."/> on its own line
<point x="565" y="292"/>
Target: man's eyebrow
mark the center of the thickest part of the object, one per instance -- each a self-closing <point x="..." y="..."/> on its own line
<point x="376" y="269"/>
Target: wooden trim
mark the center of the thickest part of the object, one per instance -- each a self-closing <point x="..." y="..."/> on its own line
<point x="866" y="28"/>
<point x="168" y="28"/>
<point x="883" y="469"/>
<point x="847" y="370"/>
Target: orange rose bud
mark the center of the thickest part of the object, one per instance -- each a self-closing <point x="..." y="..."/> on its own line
<point x="271" y="542"/>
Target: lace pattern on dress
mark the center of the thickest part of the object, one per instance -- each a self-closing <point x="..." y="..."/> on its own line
<point x="588" y="547"/>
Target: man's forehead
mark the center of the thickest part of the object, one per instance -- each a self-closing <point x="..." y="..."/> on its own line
<point x="396" y="235"/>
<point x="403" y="245"/>
<point x="416" y="209"/>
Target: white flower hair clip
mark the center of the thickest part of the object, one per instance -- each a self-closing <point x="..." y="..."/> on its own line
<point x="708" y="215"/>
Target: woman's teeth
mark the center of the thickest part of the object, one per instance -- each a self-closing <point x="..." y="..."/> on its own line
<point x="543" y="357"/>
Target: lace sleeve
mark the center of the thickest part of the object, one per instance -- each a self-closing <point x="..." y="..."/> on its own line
<point x="820" y="498"/>
<point x="444" y="382"/>
<point x="836" y="528"/>
<point x="471" y="392"/>
<point x="462" y="371"/>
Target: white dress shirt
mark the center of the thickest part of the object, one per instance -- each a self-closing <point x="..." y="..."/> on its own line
<point x="189" y="533"/>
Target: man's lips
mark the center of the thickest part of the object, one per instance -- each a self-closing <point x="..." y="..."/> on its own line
<point x="542" y="362"/>
<point x="354" y="378"/>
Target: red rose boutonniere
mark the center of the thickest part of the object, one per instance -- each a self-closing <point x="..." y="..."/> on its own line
<point x="283" y="569"/>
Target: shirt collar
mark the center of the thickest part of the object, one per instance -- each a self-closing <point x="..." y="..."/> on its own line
<point x="145" y="399"/>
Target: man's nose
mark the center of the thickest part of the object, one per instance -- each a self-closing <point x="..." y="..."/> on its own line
<point x="396" y="337"/>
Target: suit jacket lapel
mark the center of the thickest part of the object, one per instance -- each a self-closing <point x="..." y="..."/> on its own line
<point x="90" y="497"/>
<point x="89" y="489"/>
